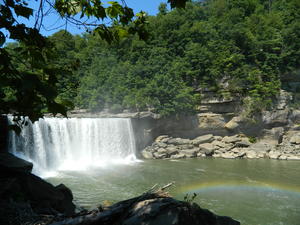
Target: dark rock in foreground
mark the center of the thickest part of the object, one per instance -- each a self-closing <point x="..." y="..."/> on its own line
<point x="10" y="162"/>
<point x="151" y="209"/>
<point x="26" y="198"/>
<point x="19" y="187"/>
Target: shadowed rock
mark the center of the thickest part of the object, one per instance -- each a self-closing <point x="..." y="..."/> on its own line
<point x="151" y="209"/>
<point x="18" y="184"/>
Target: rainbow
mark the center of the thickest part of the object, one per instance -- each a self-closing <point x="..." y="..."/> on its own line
<point x="233" y="185"/>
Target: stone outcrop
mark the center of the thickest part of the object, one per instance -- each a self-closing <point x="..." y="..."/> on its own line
<point x="151" y="209"/>
<point x="27" y="199"/>
<point x="219" y="117"/>
<point x="228" y="147"/>
<point x="18" y="184"/>
<point x="12" y="163"/>
<point x="216" y="115"/>
<point x="222" y="117"/>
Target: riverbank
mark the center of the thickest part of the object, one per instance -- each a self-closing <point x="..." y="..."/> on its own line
<point x="227" y="147"/>
<point x="270" y="134"/>
<point x="28" y="199"/>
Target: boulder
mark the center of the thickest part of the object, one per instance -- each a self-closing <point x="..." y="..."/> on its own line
<point x="158" y="155"/>
<point x="65" y="205"/>
<point x="161" y="138"/>
<point x="167" y="211"/>
<point x="191" y="153"/>
<point x="151" y="209"/>
<point x="183" y="147"/>
<point x="218" y="138"/>
<point x="13" y="163"/>
<point x="42" y="196"/>
<point x="170" y="153"/>
<point x="178" y="156"/>
<point x="171" y="150"/>
<point x="293" y="157"/>
<point x="217" y="154"/>
<point x="261" y="147"/>
<point x="147" y="154"/>
<point x="228" y="155"/>
<point x="179" y="141"/>
<point x="207" y="148"/>
<point x="241" y="154"/>
<point x="243" y="143"/>
<point x="203" y="139"/>
<point x="162" y="150"/>
<point x="45" y="198"/>
<point x="274" y="155"/>
<point x="283" y="157"/>
<point x="237" y="150"/>
<point x="252" y="155"/>
<point x="231" y="139"/>
<point x="233" y="124"/>
<point x="162" y="144"/>
<point x="295" y="139"/>
<point x="200" y="154"/>
<point x="219" y="144"/>
<point x="9" y="186"/>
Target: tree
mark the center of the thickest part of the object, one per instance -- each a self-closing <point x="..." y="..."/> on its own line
<point x="31" y="89"/>
<point x="234" y="48"/>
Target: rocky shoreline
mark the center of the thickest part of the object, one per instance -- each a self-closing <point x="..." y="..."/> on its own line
<point x="29" y="200"/>
<point x="227" y="147"/>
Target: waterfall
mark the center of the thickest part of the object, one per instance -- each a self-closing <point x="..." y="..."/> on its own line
<point x="54" y="144"/>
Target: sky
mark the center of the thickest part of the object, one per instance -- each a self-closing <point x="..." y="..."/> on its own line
<point x="53" y="23"/>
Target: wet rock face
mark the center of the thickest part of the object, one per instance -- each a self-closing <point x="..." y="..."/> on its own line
<point x="227" y="147"/>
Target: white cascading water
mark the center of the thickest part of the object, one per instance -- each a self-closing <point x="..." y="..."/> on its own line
<point x="54" y="144"/>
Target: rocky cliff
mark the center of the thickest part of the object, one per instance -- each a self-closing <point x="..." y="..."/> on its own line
<point x="276" y="129"/>
<point x="221" y="130"/>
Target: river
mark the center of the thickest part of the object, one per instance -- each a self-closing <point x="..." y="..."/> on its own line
<point x="255" y="192"/>
<point x="96" y="159"/>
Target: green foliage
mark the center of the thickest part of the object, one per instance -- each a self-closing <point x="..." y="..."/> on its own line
<point x="116" y="108"/>
<point x="252" y="139"/>
<point x="244" y="48"/>
<point x="235" y="48"/>
<point x="36" y="74"/>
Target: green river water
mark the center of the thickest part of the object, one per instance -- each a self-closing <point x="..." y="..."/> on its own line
<point x="254" y="192"/>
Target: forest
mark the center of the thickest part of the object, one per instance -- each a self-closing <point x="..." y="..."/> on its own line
<point x="248" y="49"/>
